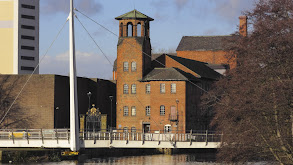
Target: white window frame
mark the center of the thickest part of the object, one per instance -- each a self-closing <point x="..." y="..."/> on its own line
<point x="162" y="88"/>
<point x="125" y="66"/>
<point x="173" y="88"/>
<point x="167" y="128"/>
<point x="162" y="110"/>
<point x="133" y="89"/>
<point x="148" y="110"/>
<point x="148" y="88"/>
<point x="125" y="89"/>
<point x="125" y="111"/>
<point x="133" y="111"/>
<point x="133" y="66"/>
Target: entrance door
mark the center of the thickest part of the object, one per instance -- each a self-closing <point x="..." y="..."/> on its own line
<point x="146" y="128"/>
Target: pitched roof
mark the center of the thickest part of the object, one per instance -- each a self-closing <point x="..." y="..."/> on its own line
<point x="168" y="74"/>
<point x="134" y="14"/>
<point x="201" y="43"/>
<point x="197" y="67"/>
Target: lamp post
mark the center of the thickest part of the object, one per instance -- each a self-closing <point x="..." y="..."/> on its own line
<point x="177" y="101"/>
<point x="89" y="96"/>
<point x="56" y="123"/>
<point x="111" y="98"/>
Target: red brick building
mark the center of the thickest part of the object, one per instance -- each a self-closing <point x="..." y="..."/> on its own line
<point x="210" y="49"/>
<point x="156" y="96"/>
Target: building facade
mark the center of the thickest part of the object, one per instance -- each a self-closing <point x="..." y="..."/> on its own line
<point x="44" y="102"/>
<point x="164" y="98"/>
<point x="19" y="31"/>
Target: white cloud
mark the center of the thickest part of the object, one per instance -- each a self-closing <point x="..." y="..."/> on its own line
<point x="89" y="64"/>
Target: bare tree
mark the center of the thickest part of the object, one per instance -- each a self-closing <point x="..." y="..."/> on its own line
<point x="12" y="114"/>
<point x="254" y="103"/>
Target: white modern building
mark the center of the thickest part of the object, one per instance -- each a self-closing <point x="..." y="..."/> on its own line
<point x="19" y="36"/>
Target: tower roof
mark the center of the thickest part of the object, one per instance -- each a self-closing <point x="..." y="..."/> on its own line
<point x="134" y="14"/>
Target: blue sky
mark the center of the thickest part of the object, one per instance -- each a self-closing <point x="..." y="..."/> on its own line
<point x="173" y="19"/>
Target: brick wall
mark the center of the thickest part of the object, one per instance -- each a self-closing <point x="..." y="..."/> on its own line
<point x="213" y="57"/>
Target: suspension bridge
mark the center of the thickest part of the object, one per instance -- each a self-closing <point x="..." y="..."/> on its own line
<point x="60" y="138"/>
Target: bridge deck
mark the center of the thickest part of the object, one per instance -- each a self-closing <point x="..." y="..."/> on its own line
<point x="60" y="138"/>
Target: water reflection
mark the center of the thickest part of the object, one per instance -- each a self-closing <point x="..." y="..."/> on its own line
<point x="186" y="159"/>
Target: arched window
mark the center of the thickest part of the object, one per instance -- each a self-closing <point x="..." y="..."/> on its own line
<point x="162" y="110"/>
<point x="125" y="89"/>
<point x="133" y="66"/>
<point x="139" y="30"/>
<point x="133" y="89"/>
<point x="121" y="30"/>
<point x="129" y="29"/>
<point x="125" y="111"/>
<point x="133" y="111"/>
<point x="125" y="66"/>
<point x="148" y="110"/>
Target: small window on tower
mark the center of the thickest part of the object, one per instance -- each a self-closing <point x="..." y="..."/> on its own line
<point x="133" y="89"/>
<point x="162" y="88"/>
<point x="173" y="88"/>
<point x="139" y="30"/>
<point x="125" y="111"/>
<point x="148" y="88"/>
<point x="148" y="110"/>
<point x="133" y="66"/>
<point x="125" y="89"/>
<point x="125" y="66"/>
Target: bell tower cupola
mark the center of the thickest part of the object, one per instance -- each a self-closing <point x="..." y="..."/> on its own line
<point x="134" y="24"/>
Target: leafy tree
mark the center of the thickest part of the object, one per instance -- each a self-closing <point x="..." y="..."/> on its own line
<point x="16" y="117"/>
<point x="254" y="103"/>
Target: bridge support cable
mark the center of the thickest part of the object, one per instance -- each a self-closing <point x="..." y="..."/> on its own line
<point x="201" y="88"/>
<point x="17" y="96"/>
<point x="104" y="53"/>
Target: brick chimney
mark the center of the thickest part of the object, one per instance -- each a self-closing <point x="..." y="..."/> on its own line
<point x="243" y="25"/>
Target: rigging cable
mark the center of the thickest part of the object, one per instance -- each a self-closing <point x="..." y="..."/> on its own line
<point x="33" y="71"/>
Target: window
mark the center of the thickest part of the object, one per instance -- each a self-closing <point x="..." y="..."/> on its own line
<point x="125" y="66"/>
<point x="27" y="58"/>
<point x="148" y="88"/>
<point x="27" y="68"/>
<point x="162" y="88"/>
<point x="125" y="129"/>
<point x="27" y="37"/>
<point x="27" y="27"/>
<point x="133" y="89"/>
<point x="28" y="47"/>
<point x="129" y="29"/>
<point x="125" y="89"/>
<point x="125" y="111"/>
<point x="133" y="66"/>
<point x="27" y="16"/>
<point x="167" y="128"/>
<point x="173" y="88"/>
<point x="133" y="129"/>
<point x="27" y="6"/>
<point x="148" y="110"/>
<point x="138" y="30"/>
<point x="162" y="110"/>
<point x="133" y="111"/>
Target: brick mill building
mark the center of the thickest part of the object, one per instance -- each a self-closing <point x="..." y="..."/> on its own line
<point x="161" y="95"/>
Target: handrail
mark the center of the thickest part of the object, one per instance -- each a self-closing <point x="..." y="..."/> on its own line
<point x="63" y="134"/>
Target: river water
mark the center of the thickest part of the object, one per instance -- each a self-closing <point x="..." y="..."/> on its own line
<point x="180" y="159"/>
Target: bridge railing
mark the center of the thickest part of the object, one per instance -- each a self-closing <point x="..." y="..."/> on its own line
<point x="55" y="134"/>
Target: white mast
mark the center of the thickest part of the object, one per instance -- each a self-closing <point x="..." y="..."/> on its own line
<point x="74" y="128"/>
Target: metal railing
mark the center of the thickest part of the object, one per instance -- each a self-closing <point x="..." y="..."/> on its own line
<point x="62" y="134"/>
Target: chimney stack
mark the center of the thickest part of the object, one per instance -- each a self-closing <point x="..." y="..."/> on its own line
<point x="243" y="26"/>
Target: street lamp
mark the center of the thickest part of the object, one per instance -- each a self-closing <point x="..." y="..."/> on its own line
<point x="89" y="96"/>
<point x="111" y="98"/>
<point x="177" y="101"/>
